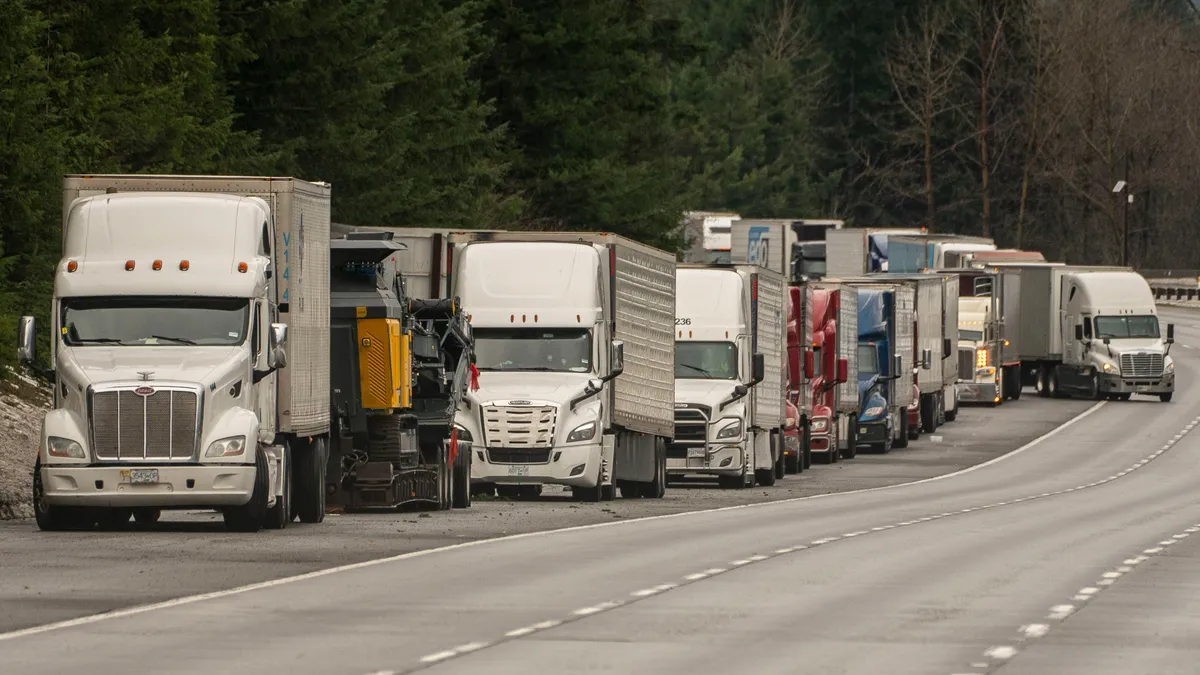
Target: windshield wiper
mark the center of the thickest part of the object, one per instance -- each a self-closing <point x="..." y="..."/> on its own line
<point x="698" y="369"/>
<point x="182" y="341"/>
<point x="542" y="369"/>
<point x="100" y="340"/>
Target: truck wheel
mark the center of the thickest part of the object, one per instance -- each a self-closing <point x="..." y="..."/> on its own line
<point x="445" y="478"/>
<point x="1015" y="384"/>
<point x="280" y="515"/>
<point x="251" y="516"/>
<point x="113" y="518"/>
<point x="850" y="453"/>
<point x="310" y="463"/>
<point x="928" y="416"/>
<point x="952" y="415"/>
<point x="777" y="446"/>
<point x="657" y="489"/>
<point x="1052" y="385"/>
<point x="793" y="464"/>
<point x="585" y="494"/>
<point x="462" y="479"/>
<point x="1096" y="394"/>
<point x="902" y="440"/>
<point x="1043" y="382"/>
<point x="1165" y="398"/>
<point x="887" y="444"/>
<point x="146" y="515"/>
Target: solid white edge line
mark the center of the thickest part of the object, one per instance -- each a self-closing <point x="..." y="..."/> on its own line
<point x="214" y="595"/>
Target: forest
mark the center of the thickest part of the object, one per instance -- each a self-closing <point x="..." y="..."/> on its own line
<point x="1012" y="119"/>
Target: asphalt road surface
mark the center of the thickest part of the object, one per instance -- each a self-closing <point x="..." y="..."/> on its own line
<point x="1064" y="556"/>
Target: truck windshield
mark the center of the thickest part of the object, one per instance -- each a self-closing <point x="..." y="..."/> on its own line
<point x="1126" y="326"/>
<point x="705" y="361"/>
<point x="154" y="320"/>
<point x="972" y="335"/>
<point x="548" y="349"/>
<point x="868" y="360"/>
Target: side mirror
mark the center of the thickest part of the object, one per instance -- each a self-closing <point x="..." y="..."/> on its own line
<point x="926" y="359"/>
<point x="1170" y="332"/>
<point x="947" y="348"/>
<point x="759" y="369"/>
<point x="843" y="371"/>
<point x="1108" y="341"/>
<point x="618" y="359"/>
<point x="277" y="346"/>
<point x="1078" y="332"/>
<point x="740" y="391"/>
<point x="27" y="340"/>
<point x="595" y="384"/>
<point x="809" y="364"/>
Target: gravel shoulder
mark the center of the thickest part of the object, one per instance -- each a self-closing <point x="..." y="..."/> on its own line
<point x="55" y="576"/>
<point x="22" y="404"/>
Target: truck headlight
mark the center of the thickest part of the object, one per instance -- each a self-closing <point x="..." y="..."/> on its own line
<point x="985" y="372"/>
<point x="1107" y="367"/>
<point x="732" y="430"/>
<point x="227" y="447"/>
<point x="463" y="434"/>
<point x="583" y="432"/>
<point x="820" y="424"/>
<point x="64" y="447"/>
<point x="790" y="421"/>
<point x="873" y="411"/>
<point x="1170" y="367"/>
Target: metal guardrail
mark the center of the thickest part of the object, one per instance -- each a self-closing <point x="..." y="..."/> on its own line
<point x="1174" y="285"/>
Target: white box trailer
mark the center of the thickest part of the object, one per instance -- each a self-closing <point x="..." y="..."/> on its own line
<point x="949" y="351"/>
<point x="854" y="251"/>
<point x="774" y="242"/>
<point x="537" y="300"/>
<point x="931" y="343"/>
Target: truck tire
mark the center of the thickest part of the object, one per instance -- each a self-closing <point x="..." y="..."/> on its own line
<point x="777" y="447"/>
<point x="280" y="515"/>
<point x="928" y="415"/>
<point x="445" y="478"/>
<point x="146" y="515"/>
<point x="1043" y="382"/>
<point x="310" y="463"/>
<point x="1052" y="384"/>
<point x="251" y="516"/>
<point x="1016" y="385"/>
<point x="462" y="479"/>
<point x="902" y="440"/>
<point x="658" y="488"/>
<point x="850" y="453"/>
<point x="852" y="434"/>
<point x="1165" y="398"/>
<point x="54" y="518"/>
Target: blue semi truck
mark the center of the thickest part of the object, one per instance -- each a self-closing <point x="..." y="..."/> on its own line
<point x="885" y="353"/>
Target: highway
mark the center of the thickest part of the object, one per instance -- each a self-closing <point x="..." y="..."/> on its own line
<point x="1075" y="552"/>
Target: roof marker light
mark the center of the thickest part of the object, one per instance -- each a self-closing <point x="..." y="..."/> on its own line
<point x="157" y="265"/>
<point x="522" y="318"/>
<point x="577" y="319"/>
<point x="242" y="267"/>
<point x="72" y="266"/>
<point x="184" y="265"/>
<point x="512" y="318"/>
<point x="129" y="264"/>
<point x="535" y="318"/>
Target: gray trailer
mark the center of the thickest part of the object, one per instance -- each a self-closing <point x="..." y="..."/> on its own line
<point x="931" y="344"/>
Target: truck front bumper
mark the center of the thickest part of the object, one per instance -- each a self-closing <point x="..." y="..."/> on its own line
<point x="792" y="445"/>
<point x="1115" y="384"/>
<point x="721" y="459"/>
<point x="574" y="465"/>
<point x="977" y="392"/>
<point x="177" y="486"/>
<point x="873" y="433"/>
<point x="822" y="442"/>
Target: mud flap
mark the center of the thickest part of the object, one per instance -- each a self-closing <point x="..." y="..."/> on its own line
<point x="608" y="452"/>
<point x="275" y="459"/>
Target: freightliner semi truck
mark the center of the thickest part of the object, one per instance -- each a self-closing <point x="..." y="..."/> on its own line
<point x="575" y="341"/>
<point x="829" y="337"/>
<point x="730" y="346"/>
<point x="189" y="352"/>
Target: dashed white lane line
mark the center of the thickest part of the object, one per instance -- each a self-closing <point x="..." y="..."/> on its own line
<point x="439" y="656"/>
<point x="695" y="577"/>
<point x="1034" y="631"/>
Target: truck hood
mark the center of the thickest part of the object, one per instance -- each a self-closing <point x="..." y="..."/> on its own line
<point x="1123" y="345"/>
<point x="558" y="388"/>
<point x="97" y="365"/>
<point x="709" y="393"/>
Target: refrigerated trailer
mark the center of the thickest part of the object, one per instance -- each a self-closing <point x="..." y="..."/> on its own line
<point x="730" y="351"/>
<point x="574" y="337"/>
<point x="189" y="350"/>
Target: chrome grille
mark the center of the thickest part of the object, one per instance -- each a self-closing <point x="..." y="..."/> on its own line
<point x="966" y="365"/>
<point x="510" y="426"/>
<point x="158" y="426"/>
<point x="1146" y="364"/>
<point x="518" y="455"/>
<point x="691" y="426"/>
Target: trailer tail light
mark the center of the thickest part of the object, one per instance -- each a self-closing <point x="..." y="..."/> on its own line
<point x="184" y="265"/>
<point x="72" y="266"/>
<point x="157" y="265"/>
<point x="129" y="265"/>
<point x="242" y="267"/>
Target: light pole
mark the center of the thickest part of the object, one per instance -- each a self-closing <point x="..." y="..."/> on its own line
<point x="1123" y="186"/>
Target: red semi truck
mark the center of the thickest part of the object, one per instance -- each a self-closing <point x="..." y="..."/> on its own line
<point x="824" y="368"/>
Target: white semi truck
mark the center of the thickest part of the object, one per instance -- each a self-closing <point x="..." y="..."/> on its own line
<point x="1093" y="332"/>
<point x="730" y="346"/>
<point x="574" y="333"/>
<point x="189" y="352"/>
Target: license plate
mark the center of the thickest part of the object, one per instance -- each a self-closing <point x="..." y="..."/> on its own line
<point x="1143" y="387"/>
<point x="862" y="431"/>
<point x="695" y="453"/>
<point x="518" y="470"/>
<point x="143" y="476"/>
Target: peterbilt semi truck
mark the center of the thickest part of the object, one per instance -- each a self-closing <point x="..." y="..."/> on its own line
<point x="989" y="361"/>
<point x="730" y="345"/>
<point x="575" y="341"/>
<point x="401" y="370"/>
<point x="1093" y="332"/>
<point x="827" y="354"/>
<point x="189" y="352"/>
<point x="855" y="251"/>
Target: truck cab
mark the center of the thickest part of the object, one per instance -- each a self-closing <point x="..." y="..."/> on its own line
<point x="978" y="347"/>
<point x="1112" y="344"/>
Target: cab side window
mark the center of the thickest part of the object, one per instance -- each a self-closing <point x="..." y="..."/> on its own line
<point x="1087" y="327"/>
<point x="256" y="331"/>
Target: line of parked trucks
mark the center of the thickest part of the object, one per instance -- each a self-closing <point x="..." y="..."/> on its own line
<point x="219" y="343"/>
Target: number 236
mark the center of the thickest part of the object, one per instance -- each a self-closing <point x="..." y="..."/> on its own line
<point x="683" y="322"/>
